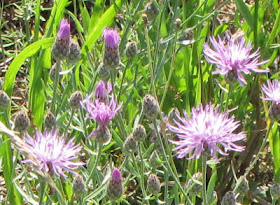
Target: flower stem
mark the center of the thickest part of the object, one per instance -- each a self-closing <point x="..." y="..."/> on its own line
<point x="169" y="166"/>
<point x="153" y="88"/>
<point x="142" y="173"/>
<point x="204" y="180"/>
<point x="95" y="164"/>
<point x="42" y="191"/>
<point x="170" y="72"/>
<point x="55" y="83"/>
<point x="228" y="96"/>
<point x="70" y="120"/>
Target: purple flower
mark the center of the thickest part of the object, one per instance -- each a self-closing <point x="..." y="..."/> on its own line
<point x="100" y="111"/>
<point x="64" y="30"/>
<point x="204" y="131"/>
<point x="102" y="90"/>
<point x="54" y="152"/>
<point x="272" y="91"/>
<point x="115" y="188"/>
<point x="234" y="59"/>
<point x="111" y="37"/>
<point x="116" y="175"/>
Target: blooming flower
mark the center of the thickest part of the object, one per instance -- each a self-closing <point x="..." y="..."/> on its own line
<point x="234" y="59"/>
<point x="111" y="37"/>
<point x="54" y="152"/>
<point x="204" y="131"/>
<point x="272" y="91"/>
<point x="64" y="30"/>
<point x="100" y="111"/>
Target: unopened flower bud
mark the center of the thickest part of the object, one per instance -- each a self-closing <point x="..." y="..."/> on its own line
<point x="101" y="91"/>
<point x="115" y="188"/>
<point x="173" y="116"/>
<point x="4" y="100"/>
<point x="53" y="71"/>
<point x="60" y="47"/>
<point x="139" y="133"/>
<point x="130" y="144"/>
<point x="153" y="161"/>
<point x="75" y="100"/>
<point x="195" y="187"/>
<point x="103" y="72"/>
<point x="79" y="186"/>
<point x="274" y="112"/>
<point x="103" y="135"/>
<point x="111" y="54"/>
<point x="74" y="53"/>
<point x="275" y="191"/>
<point x="151" y="10"/>
<point x="153" y="184"/>
<point x="49" y="121"/>
<point x="150" y="107"/>
<point x="229" y="199"/>
<point x="131" y="49"/>
<point x="22" y="121"/>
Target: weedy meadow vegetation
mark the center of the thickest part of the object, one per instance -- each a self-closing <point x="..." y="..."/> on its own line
<point x="139" y="102"/>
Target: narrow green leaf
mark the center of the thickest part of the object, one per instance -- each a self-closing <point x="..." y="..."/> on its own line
<point x="20" y="59"/>
<point x="245" y="12"/>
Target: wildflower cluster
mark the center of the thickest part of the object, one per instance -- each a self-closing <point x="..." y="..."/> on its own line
<point x="118" y="122"/>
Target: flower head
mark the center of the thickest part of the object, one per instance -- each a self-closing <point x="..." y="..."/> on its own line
<point x="64" y="30"/>
<point x="102" y="90"/>
<point x="272" y="91"/>
<point x="204" y="131"/>
<point x="111" y="37"/>
<point x="101" y="112"/>
<point x="115" y="188"/>
<point x="234" y="59"/>
<point x="54" y="152"/>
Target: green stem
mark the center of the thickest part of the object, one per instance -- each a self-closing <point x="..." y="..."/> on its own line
<point x="228" y="96"/>
<point x="70" y="120"/>
<point x="170" y="72"/>
<point x="42" y="191"/>
<point x="153" y="88"/>
<point x="169" y="167"/>
<point x="95" y="164"/>
<point x="57" y="69"/>
<point x="274" y="201"/>
<point x="142" y="173"/>
<point x="204" y="180"/>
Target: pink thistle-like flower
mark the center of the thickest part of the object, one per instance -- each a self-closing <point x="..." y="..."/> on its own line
<point x="102" y="90"/>
<point x="272" y="91"/>
<point x="111" y="37"/>
<point x="234" y="59"/>
<point x="205" y="131"/>
<point x="64" y="30"/>
<point x="54" y="152"/>
<point x="100" y="111"/>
